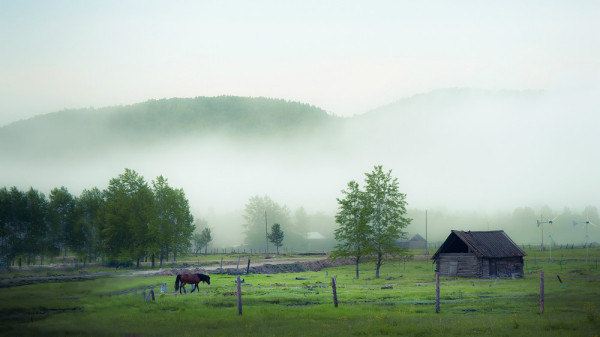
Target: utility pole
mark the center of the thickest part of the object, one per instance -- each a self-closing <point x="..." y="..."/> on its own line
<point x="266" y="235"/>
<point x="542" y="246"/>
<point x="426" y="238"/>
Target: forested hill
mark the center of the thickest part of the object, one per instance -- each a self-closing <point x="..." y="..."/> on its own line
<point x="83" y="130"/>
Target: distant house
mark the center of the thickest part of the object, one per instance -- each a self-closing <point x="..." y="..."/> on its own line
<point x="314" y="236"/>
<point x="479" y="254"/>
<point x="416" y="242"/>
<point x="315" y="241"/>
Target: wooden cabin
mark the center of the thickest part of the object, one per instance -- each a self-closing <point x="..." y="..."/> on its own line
<point x="479" y="254"/>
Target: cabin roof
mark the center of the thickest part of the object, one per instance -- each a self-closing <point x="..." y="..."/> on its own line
<point x="486" y="244"/>
<point x="417" y="237"/>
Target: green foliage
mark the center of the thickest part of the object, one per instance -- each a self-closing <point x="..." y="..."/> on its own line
<point x="202" y="239"/>
<point x="387" y="218"/>
<point x="88" y="224"/>
<point x="276" y="236"/>
<point x="126" y="222"/>
<point x="128" y="212"/>
<point x="353" y="220"/>
<point x="371" y="221"/>
<point x="172" y="223"/>
<point x="62" y="219"/>
<point x="37" y="240"/>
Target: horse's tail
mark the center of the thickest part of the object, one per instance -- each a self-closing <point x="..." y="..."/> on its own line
<point x="177" y="281"/>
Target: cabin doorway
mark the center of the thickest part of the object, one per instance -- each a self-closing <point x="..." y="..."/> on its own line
<point x="453" y="268"/>
<point x="493" y="268"/>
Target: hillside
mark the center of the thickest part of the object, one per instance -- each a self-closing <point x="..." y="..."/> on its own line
<point x="78" y="132"/>
<point x="456" y="148"/>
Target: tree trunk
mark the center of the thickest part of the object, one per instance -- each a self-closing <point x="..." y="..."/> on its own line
<point x="205" y="249"/>
<point x="174" y="257"/>
<point x="277" y="249"/>
<point x="153" y="258"/>
<point x="42" y="260"/>
<point x="378" y="264"/>
<point x="137" y="264"/>
<point x="162" y="257"/>
<point x="357" y="261"/>
<point x="19" y="262"/>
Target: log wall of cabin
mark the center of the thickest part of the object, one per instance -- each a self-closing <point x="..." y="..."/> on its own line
<point x="510" y="266"/>
<point x="467" y="264"/>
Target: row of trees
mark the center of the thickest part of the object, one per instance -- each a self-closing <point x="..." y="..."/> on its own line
<point x="129" y="221"/>
<point x="371" y="219"/>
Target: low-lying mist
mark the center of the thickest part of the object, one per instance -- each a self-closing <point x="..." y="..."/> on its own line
<point x="473" y="158"/>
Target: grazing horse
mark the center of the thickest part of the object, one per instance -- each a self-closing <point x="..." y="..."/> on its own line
<point x="182" y="279"/>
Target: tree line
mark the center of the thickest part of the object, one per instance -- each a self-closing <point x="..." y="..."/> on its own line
<point x="371" y="219"/>
<point x="129" y="221"/>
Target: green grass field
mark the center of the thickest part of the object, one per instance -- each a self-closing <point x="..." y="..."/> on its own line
<point x="300" y="304"/>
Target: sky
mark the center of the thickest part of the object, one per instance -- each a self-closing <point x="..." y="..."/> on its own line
<point x="345" y="56"/>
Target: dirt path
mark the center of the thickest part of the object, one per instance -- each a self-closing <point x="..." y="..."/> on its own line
<point x="263" y="267"/>
<point x="21" y="281"/>
<point x="229" y="266"/>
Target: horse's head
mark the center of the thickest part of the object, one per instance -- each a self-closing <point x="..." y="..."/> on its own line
<point x="204" y="278"/>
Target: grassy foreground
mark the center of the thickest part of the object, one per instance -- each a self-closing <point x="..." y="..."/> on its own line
<point x="299" y="304"/>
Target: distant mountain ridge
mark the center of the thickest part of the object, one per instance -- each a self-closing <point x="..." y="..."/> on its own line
<point x="155" y="120"/>
<point x="90" y="131"/>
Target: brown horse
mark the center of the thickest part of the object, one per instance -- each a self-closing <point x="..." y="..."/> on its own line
<point x="182" y="279"/>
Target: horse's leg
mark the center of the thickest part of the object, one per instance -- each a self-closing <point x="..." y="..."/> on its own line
<point x="198" y="290"/>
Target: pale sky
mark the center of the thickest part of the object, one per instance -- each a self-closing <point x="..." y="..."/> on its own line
<point x="344" y="56"/>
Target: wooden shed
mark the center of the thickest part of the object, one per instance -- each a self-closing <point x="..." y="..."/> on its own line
<point x="416" y="242"/>
<point x="479" y="254"/>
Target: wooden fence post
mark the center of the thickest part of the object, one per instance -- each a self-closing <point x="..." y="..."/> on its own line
<point x="238" y="263"/>
<point x="542" y="292"/>
<point x="239" y="295"/>
<point x="334" y="291"/>
<point x="437" y="292"/>
<point x="248" y="267"/>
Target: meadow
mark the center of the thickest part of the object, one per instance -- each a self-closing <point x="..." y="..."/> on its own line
<point x="401" y="302"/>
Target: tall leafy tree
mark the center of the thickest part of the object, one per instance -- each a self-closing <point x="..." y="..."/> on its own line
<point x="13" y="225"/>
<point x="173" y="223"/>
<point x="201" y="240"/>
<point x="62" y="218"/>
<point x="88" y="224"/>
<point x="37" y="242"/>
<point x="353" y="232"/>
<point x="128" y="211"/>
<point x="387" y="213"/>
<point x="276" y="236"/>
<point x="6" y="249"/>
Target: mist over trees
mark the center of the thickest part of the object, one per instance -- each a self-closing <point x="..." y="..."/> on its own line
<point x="519" y="223"/>
<point x="262" y="212"/>
<point x="455" y="152"/>
<point x="127" y="222"/>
